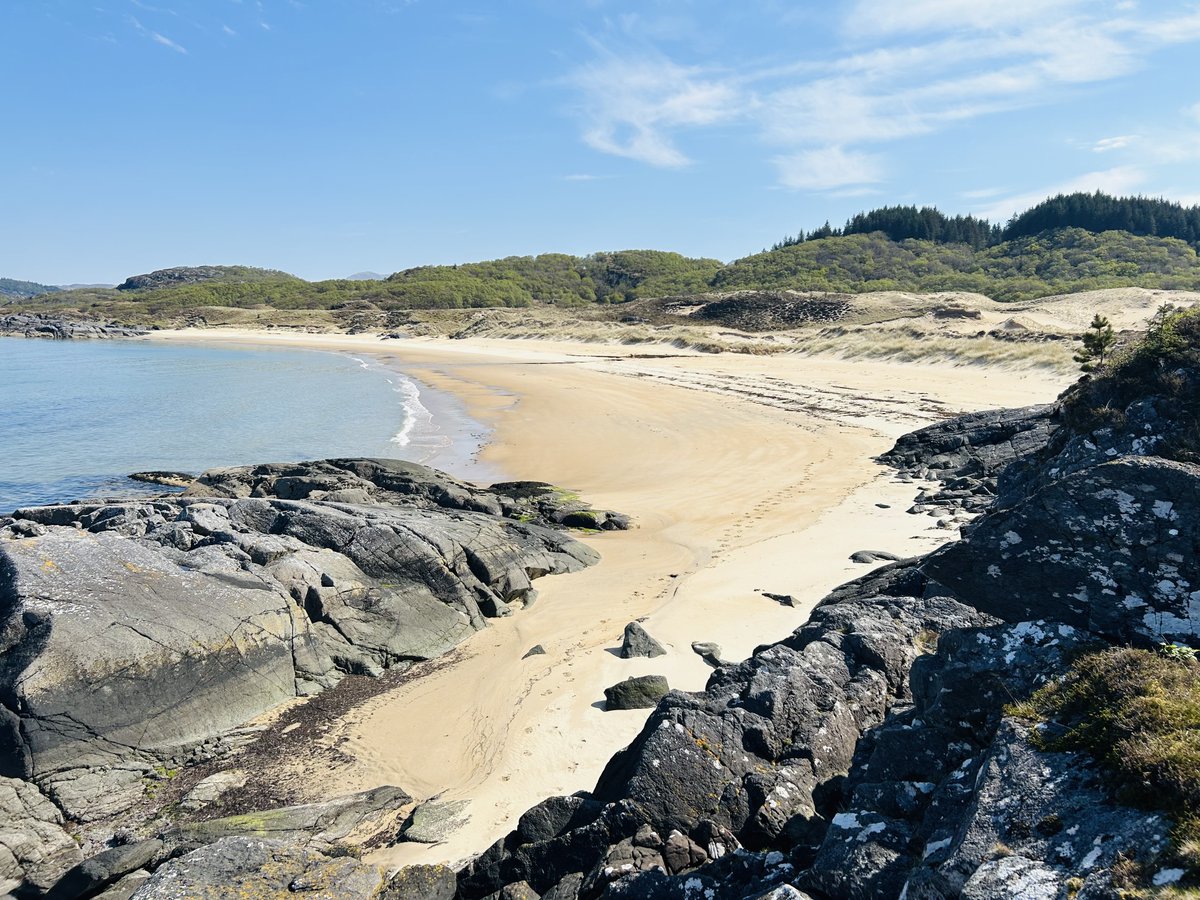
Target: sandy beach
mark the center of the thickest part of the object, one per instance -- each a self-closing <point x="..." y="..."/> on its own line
<point x="745" y="474"/>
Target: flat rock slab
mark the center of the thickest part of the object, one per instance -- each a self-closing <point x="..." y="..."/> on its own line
<point x="263" y="869"/>
<point x="433" y="822"/>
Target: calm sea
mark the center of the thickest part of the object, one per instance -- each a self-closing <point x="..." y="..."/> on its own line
<point x="76" y="417"/>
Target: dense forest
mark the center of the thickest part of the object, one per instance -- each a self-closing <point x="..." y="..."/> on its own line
<point x="1067" y="243"/>
<point x="1096" y="212"/>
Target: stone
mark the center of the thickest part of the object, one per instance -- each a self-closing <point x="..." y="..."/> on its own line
<point x="105" y="868"/>
<point x="435" y="882"/>
<point x="35" y="849"/>
<point x="709" y="651"/>
<point x="872" y="556"/>
<point x="261" y="868"/>
<point x="210" y="789"/>
<point x="434" y="821"/>
<point x="638" y="643"/>
<point x="353" y="818"/>
<point x="535" y="650"/>
<point x="638" y="692"/>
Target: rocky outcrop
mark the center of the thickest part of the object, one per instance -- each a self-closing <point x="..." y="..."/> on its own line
<point x="872" y="753"/>
<point x="1111" y="549"/>
<point x="161" y="278"/>
<point x="138" y="636"/>
<point x="42" y="325"/>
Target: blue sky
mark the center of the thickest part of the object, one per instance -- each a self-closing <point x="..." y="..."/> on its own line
<point x="326" y="138"/>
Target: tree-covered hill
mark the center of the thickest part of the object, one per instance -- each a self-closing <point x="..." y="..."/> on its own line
<point x="11" y="287"/>
<point x="1054" y="262"/>
<point x="1059" y="246"/>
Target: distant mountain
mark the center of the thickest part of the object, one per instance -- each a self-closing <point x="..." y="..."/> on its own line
<point x="85" y="287"/>
<point x="22" y="290"/>
<point x="162" y="278"/>
<point x="365" y="276"/>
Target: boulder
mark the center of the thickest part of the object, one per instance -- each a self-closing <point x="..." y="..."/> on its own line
<point x="433" y="822"/>
<point x="420" y="883"/>
<point x="105" y="868"/>
<point x="261" y="868"/>
<point x="872" y="556"/>
<point x="637" y="642"/>
<point x="639" y="692"/>
<point x="210" y="789"/>
<point x="709" y="651"/>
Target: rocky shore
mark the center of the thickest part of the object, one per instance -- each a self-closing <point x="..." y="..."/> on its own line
<point x="881" y="750"/>
<point x="42" y="325"/>
<point x="141" y="638"/>
<point x="886" y="748"/>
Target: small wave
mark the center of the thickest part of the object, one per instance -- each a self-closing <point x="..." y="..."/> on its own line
<point x="415" y="412"/>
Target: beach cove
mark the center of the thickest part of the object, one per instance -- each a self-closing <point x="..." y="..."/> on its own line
<point x="762" y="480"/>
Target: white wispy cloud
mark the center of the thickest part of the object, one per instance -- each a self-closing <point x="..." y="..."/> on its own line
<point x="156" y="36"/>
<point x="907" y="70"/>
<point x="827" y="168"/>
<point x="633" y="108"/>
<point x="1120" y="142"/>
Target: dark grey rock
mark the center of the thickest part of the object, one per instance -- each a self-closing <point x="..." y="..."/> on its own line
<point x="1110" y="549"/>
<point x="43" y="325"/>
<point x="639" y="692"/>
<point x="104" y="869"/>
<point x="535" y="650"/>
<point x="872" y="556"/>
<point x="637" y="642"/>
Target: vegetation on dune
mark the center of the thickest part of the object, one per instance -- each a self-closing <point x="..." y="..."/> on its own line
<point x="1138" y="713"/>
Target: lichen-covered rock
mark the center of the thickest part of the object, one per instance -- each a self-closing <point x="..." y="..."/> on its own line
<point x="34" y="847"/>
<point x="261" y="869"/>
<point x="636" y="692"/>
<point x="353" y="818"/>
<point x="420" y="883"/>
<point x="1110" y="549"/>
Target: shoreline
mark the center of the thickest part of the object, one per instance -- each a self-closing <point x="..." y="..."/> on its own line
<point x="665" y="438"/>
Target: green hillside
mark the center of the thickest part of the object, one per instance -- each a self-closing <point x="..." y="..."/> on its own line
<point x="11" y="287"/>
<point x="1055" y="262"/>
<point x="892" y="248"/>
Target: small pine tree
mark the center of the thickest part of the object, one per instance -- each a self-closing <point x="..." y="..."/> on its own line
<point x="1097" y="341"/>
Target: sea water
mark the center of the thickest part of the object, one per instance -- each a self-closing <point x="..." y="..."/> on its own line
<point x="77" y="417"/>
